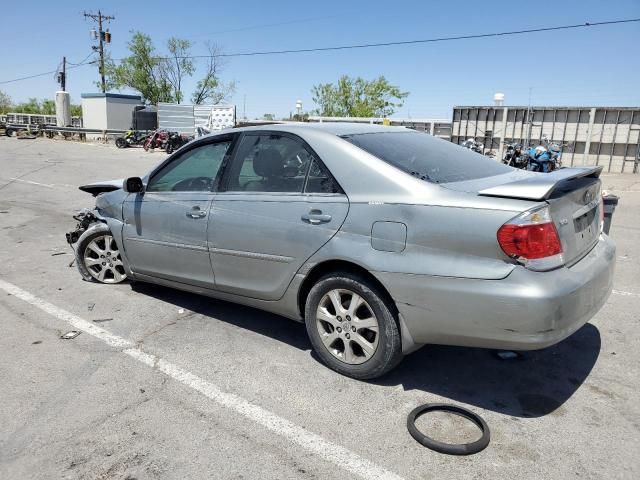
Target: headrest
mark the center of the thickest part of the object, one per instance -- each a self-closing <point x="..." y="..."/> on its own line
<point x="268" y="163"/>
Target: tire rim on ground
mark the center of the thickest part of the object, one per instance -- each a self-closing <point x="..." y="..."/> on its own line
<point x="347" y="326"/>
<point x="103" y="261"/>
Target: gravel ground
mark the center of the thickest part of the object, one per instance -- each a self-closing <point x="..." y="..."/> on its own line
<point x="82" y="409"/>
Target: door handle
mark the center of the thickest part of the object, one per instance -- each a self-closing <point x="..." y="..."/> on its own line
<point x="195" y="212"/>
<point x="315" y="217"/>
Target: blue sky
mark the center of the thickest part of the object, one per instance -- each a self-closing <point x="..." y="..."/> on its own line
<point x="594" y="66"/>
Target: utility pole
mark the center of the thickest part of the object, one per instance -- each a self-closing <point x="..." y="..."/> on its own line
<point x="529" y="119"/>
<point x="64" y="73"/>
<point x="62" y="76"/>
<point x="103" y="37"/>
<point x="244" y="107"/>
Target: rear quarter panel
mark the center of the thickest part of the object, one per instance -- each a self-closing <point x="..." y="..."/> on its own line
<point x="442" y="240"/>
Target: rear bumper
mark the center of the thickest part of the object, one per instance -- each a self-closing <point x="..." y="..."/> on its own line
<point x="525" y="311"/>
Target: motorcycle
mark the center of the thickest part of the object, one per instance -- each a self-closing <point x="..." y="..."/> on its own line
<point x="515" y="157"/>
<point x="473" y="145"/>
<point x="175" y="141"/>
<point x="545" y="158"/>
<point x="157" y="139"/>
<point x="130" y="139"/>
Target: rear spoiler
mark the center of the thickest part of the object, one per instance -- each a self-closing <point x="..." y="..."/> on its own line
<point x="540" y="186"/>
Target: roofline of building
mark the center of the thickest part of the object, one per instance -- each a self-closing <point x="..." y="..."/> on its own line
<point x="379" y="119"/>
<point x="547" y="107"/>
<point x="111" y="95"/>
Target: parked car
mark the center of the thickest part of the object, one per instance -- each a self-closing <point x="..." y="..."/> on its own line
<point x="380" y="239"/>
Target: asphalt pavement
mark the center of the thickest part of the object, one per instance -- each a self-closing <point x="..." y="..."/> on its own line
<point x="163" y="384"/>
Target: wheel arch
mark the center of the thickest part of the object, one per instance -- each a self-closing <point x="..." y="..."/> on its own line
<point x="335" y="266"/>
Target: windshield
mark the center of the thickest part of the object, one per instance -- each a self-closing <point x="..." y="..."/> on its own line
<point x="427" y="157"/>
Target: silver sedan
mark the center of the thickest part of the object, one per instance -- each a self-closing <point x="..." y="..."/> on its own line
<point x="380" y="239"/>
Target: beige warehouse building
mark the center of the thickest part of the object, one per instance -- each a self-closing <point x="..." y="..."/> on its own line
<point x="607" y="136"/>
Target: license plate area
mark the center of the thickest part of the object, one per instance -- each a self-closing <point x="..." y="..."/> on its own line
<point x="585" y="221"/>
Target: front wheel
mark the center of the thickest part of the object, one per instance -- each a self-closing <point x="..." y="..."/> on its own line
<point x="98" y="257"/>
<point x="353" y="326"/>
<point x="121" y="142"/>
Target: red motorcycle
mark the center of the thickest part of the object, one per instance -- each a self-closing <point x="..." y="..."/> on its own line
<point x="157" y="139"/>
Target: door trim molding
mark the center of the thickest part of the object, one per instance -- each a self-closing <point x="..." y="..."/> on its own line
<point x="199" y="248"/>
<point x="252" y="255"/>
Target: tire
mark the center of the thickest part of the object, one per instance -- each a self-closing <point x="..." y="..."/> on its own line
<point x="121" y="142"/>
<point x="169" y="148"/>
<point x="98" y="259"/>
<point x="327" y="330"/>
<point x="9" y="132"/>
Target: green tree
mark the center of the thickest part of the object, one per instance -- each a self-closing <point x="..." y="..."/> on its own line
<point x="76" y="110"/>
<point x="5" y="103"/>
<point x="357" y="97"/>
<point x="142" y="70"/>
<point x="210" y="88"/>
<point x="268" y="116"/>
<point x="47" y="107"/>
<point x="30" y="106"/>
<point x="177" y="66"/>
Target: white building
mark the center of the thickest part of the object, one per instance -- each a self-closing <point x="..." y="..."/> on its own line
<point x="108" y="111"/>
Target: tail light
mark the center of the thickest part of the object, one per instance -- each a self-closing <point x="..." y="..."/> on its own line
<point x="532" y="240"/>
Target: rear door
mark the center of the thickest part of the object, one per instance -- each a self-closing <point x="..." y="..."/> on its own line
<point x="165" y="227"/>
<point x="278" y="206"/>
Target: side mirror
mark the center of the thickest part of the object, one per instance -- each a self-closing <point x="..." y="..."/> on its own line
<point x="133" y="185"/>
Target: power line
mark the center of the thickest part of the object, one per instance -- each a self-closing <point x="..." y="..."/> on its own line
<point x="43" y="73"/>
<point x="413" y="42"/>
<point x="81" y="62"/>
<point x="382" y="44"/>
<point x="264" y="25"/>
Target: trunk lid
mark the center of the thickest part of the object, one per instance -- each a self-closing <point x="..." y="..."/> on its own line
<point x="573" y="196"/>
<point x="575" y="210"/>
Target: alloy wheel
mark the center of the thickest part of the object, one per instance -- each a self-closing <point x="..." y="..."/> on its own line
<point x="347" y="325"/>
<point x="103" y="261"/>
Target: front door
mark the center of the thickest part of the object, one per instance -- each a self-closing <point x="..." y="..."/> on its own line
<point x="165" y="227"/>
<point x="277" y="207"/>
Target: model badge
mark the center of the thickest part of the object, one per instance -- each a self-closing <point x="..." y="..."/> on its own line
<point x="588" y="196"/>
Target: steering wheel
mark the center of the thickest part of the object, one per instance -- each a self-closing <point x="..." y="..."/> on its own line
<point x="195" y="184"/>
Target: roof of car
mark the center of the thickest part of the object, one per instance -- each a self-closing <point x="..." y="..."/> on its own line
<point x="335" y="128"/>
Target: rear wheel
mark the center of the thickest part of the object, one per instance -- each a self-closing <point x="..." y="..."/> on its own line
<point x="352" y="326"/>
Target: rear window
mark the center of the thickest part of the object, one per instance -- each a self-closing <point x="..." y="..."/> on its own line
<point x="427" y="157"/>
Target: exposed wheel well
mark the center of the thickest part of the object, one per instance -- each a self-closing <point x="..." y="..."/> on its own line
<point x="334" y="266"/>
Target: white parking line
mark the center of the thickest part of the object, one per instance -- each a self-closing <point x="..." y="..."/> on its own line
<point x="328" y="451"/>
<point x="625" y="294"/>
<point x="30" y="182"/>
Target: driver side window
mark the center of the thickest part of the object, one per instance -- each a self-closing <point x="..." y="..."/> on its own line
<point x="193" y="171"/>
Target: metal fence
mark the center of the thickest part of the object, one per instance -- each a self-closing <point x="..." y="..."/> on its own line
<point x="186" y="118"/>
<point x="607" y="136"/>
<point x="19" y="118"/>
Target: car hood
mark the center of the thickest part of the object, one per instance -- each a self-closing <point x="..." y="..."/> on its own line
<point x="101" y="187"/>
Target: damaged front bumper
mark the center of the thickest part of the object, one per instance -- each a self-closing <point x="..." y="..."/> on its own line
<point x="85" y="218"/>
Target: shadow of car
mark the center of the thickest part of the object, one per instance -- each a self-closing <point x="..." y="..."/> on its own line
<point x="535" y="384"/>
